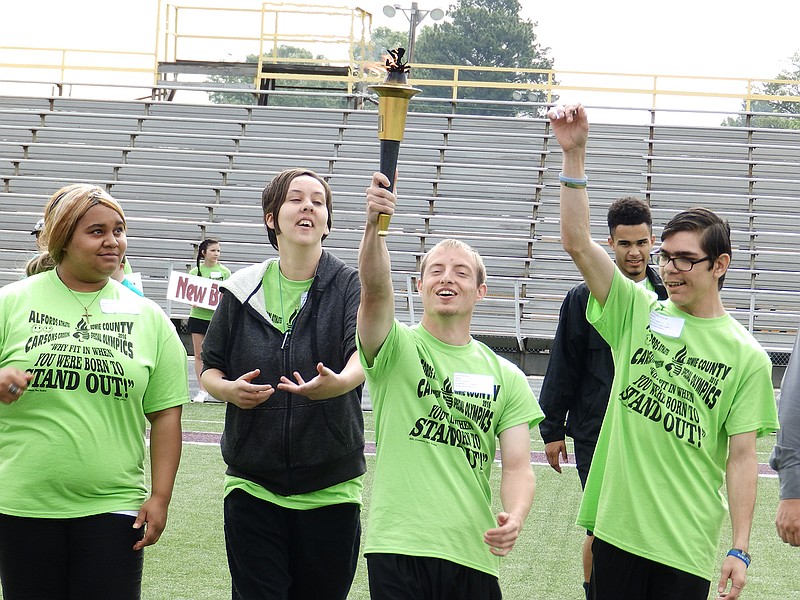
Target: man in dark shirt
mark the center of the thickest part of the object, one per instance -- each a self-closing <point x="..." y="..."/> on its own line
<point x="577" y="384"/>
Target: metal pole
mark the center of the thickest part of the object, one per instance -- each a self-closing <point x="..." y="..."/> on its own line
<point x="412" y="31"/>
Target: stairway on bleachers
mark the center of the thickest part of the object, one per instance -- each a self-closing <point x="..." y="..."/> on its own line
<point x="185" y="172"/>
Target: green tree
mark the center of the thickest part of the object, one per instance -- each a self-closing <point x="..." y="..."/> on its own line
<point x="483" y="33"/>
<point x="299" y="56"/>
<point x="787" y="84"/>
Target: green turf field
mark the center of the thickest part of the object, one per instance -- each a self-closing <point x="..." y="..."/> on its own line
<point x="189" y="561"/>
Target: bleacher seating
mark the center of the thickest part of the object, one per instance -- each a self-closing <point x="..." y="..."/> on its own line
<point x="184" y="172"/>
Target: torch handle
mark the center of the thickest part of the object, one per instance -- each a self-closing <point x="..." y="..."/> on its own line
<point x="390" y="150"/>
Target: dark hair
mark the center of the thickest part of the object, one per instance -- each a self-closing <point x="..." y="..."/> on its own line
<point x="715" y="239"/>
<point x="629" y="211"/>
<point x="201" y="250"/>
<point x="274" y="195"/>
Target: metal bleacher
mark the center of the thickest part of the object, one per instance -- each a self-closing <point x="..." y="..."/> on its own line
<point x="184" y="172"/>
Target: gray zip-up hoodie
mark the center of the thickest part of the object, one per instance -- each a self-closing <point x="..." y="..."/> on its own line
<point x="290" y="444"/>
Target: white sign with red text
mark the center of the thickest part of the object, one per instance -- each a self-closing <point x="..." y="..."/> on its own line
<point x="194" y="290"/>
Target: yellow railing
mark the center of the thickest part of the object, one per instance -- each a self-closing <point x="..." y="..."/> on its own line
<point x="67" y="63"/>
<point x="272" y="30"/>
<point x="274" y="33"/>
<point x="182" y="33"/>
<point x="652" y="86"/>
<point x="64" y="60"/>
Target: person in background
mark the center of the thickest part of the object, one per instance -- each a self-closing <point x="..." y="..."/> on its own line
<point x="119" y="275"/>
<point x="692" y="391"/>
<point x="37" y="229"/>
<point x="281" y="351"/>
<point x="41" y="261"/>
<point x="441" y="401"/>
<point x="580" y="371"/>
<point x="785" y="457"/>
<point x="84" y="365"/>
<point x="208" y="266"/>
<point x="127" y="269"/>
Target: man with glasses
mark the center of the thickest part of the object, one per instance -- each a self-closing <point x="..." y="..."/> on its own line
<point x="692" y="390"/>
<point x="681" y="263"/>
<point x="580" y="371"/>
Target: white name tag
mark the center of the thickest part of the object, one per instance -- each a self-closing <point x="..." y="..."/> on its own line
<point x="669" y="326"/>
<point x="470" y="382"/>
<point x="110" y="306"/>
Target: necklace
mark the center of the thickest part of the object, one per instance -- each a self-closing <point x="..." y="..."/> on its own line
<point x="86" y="313"/>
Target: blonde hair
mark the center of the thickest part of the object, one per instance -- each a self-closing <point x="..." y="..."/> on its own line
<point x="39" y="264"/>
<point x="63" y="211"/>
<point x="453" y="244"/>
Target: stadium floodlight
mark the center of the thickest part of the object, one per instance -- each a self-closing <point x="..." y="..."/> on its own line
<point x="415" y="16"/>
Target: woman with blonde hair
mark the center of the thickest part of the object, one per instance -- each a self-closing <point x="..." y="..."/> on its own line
<point x="84" y="365"/>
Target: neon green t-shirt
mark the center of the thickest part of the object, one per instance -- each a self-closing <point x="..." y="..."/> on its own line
<point x="74" y="443"/>
<point x="218" y="272"/>
<point x="438" y="411"/>
<point x="283" y="299"/>
<point x="682" y="386"/>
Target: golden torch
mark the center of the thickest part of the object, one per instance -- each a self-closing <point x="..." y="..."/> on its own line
<point x="393" y="96"/>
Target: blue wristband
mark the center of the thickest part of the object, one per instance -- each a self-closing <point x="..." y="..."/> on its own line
<point x="573" y="182"/>
<point x="741" y="555"/>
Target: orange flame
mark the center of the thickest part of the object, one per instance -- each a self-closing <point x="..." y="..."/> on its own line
<point x="378" y="68"/>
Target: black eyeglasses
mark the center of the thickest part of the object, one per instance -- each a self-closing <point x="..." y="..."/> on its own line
<point x="681" y="263"/>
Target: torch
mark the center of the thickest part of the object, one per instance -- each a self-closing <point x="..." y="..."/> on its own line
<point x="393" y="96"/>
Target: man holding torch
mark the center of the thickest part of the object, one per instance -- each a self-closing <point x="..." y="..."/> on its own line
<point x="441" y="399"/>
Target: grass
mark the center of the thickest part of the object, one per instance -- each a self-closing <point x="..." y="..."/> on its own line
<point x="189" y="562"/>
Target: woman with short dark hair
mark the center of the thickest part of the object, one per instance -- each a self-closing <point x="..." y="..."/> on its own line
<point x="280" y="351"/>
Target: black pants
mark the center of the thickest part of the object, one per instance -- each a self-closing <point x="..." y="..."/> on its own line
<point x="86" y="558"/>
<point x="283" y="554"/>
<point x="402" y="577"/>
<point x="620" y="575"/>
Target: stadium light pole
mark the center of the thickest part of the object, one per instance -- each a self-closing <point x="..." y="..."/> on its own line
<point x="415" y="16"/>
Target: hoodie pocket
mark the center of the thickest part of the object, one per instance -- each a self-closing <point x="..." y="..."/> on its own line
<point x="324" y="431"/>
<point x="253" y="439"/>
